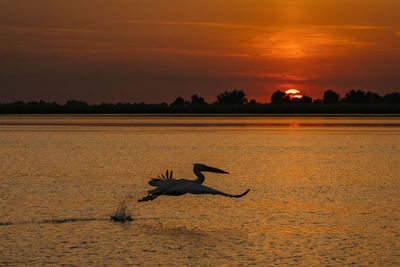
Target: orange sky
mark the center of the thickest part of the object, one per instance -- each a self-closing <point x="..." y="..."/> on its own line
<point x="155" y="50"/>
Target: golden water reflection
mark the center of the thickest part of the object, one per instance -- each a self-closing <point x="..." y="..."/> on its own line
<point x="322" y="193"/>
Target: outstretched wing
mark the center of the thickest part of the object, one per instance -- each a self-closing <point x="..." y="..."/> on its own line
<point x="201" y="189"/>
<point x="159" y="180"/>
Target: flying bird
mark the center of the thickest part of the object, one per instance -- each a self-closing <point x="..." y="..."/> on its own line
<point x="166" y="185"/>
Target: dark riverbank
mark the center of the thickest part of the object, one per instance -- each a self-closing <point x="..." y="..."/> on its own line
<point x="77" y="107"/>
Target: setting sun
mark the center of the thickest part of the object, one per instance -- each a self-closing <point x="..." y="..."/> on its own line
<point x="293" y="93"/>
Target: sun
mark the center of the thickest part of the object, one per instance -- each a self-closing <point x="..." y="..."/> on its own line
<point x="293" y="93"/>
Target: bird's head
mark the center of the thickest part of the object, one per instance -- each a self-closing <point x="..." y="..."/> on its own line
<point x="205" y="168"/>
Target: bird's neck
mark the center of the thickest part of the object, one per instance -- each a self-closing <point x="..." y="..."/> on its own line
<point x="200" y="176"/>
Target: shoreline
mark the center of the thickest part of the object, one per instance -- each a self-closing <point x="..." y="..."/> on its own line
<point x="205" y="115"/>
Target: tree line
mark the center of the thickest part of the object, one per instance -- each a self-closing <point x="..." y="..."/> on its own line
<point x="278" y="97"/>
<point x="331" y="97"/>
<point x="355" y="101"/>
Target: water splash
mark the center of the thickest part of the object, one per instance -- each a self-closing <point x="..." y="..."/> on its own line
<point x="123" y="213"/>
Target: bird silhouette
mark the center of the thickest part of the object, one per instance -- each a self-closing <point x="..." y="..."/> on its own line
<point x="166" y="185"/>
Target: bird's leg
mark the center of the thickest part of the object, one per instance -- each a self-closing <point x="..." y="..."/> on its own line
<point x="148" y="197"/>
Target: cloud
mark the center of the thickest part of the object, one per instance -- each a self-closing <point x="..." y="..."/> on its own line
<point x="366" y="27"/>
<point x="47" y="29"/>
<point x="279" y="76"/>
<point x="305" y="42"/>
<point x="196" y="23"/>
<point x="247" y="26"/>
<point x="193" y="52"/>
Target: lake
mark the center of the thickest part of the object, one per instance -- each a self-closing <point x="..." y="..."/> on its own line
<point x="323" y="190"/>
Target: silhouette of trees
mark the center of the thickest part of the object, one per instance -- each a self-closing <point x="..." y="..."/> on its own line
<point x="392" y="98"/>
<point x="232" y="98"/>
<point x="355" y="97"/>
<point x="179" y="101"/>
<point x="355" y="101"/>
<point x="373" y="97"/>
<point x="305" y="99"/>
<point x="196" y="100"/>
<point x="279" y="97"/>
<point x="360" y="97"/>
<point x="331" y="97"/>
<point x="77" y="106"/>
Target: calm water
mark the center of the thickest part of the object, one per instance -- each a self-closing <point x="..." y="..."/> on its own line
<point x="324" y="191"/>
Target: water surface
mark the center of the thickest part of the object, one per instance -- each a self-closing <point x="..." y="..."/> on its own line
<point x="324" y="190"/>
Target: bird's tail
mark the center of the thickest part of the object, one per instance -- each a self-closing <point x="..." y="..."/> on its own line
<point x="160" y="179"/>
<point x="237" y="196"/>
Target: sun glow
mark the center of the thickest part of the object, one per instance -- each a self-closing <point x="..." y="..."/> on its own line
<point x="293" y="93"/>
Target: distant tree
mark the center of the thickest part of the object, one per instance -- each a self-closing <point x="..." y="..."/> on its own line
<point x="196" y="100"/>
<point x="331" y="97"/>
<point x="232" y="98"/>
<point x="373" y="97"/>
<point x="253" y="102"/>
<point x="355" y="97"/>
<point x="317" y="101"/>
<point x="179" y="101"/>
<point x="76" y="106"/>
<point x="392" y="98"/>
<point x="76" y="103"/>
<point x="306" y="99"/>
<point x="279" y="97"/>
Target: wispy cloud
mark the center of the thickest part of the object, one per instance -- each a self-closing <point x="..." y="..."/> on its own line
<point x="196" y="23"/>
<point x="238" y="55"/>
<point x="366" y="27"/>
<point x="47" y="29"/>
<point x="279" y="76"/>
<point x="305" y="42"/>
<point x="247" y="26"/>
<point x="193" y="52"/>
<point x="397" y="33"/>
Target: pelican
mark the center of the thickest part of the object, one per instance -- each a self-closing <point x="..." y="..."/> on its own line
<point x="168" y="186"/>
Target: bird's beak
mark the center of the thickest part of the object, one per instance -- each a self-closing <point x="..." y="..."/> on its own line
<point x="211" y="169"/>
